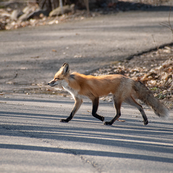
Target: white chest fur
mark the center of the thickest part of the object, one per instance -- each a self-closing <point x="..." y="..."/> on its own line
<point x="73" y="92"/>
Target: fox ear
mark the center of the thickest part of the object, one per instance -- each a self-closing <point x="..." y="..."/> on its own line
<point x="65" y="68"/>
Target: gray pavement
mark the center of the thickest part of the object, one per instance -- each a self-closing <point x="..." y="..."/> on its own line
<point x="31" y="137"/>
<point x="33" y="140"/>
<point x="29" y="56"/>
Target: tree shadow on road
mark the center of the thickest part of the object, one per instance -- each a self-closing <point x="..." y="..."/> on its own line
<point x="131" y="135"/>
<point x="84" y="152"/>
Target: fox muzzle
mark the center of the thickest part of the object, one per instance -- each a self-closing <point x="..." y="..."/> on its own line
<point x="52" y="83"/>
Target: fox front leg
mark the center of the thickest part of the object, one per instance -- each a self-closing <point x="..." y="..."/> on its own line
<point x="95" y="102"/>
<point x="77" y="105"/>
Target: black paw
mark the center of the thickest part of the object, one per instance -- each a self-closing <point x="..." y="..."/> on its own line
<point x="64" y="120"/>
<point x="107" y="123"/>
<point x="102" y="118"/>
<point x="145" y="122"/>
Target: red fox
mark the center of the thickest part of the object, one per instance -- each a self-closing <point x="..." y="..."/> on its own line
<point x="121" y="87"/>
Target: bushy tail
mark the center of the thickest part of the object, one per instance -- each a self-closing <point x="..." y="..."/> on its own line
<point x="147" y="97"/>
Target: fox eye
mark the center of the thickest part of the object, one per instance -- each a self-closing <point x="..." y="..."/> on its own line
<point x="57" y="78"/>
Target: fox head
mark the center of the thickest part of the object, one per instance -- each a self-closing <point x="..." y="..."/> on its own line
<point x="60" y="75"/>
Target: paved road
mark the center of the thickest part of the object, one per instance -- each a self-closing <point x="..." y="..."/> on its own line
<point x="32" y="55"/>
<point x="33" y="140"/>
<point x="31" y="137"/>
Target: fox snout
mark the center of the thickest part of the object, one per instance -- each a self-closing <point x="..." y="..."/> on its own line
<point x="52" y="83"/>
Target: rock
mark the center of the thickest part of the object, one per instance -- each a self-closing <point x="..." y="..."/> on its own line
<point x="4" y="13"/>
<point x="29" y="12"/>
<point x="27" y="9"/>
<point x="66" y="9"/>
<point x="16" y="14"/>
<point x="23" y="17"/>
<point x="30" y="8"/>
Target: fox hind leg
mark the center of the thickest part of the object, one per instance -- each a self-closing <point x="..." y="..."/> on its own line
<point x="117" y="105"/>
<point x="133" y="102"/>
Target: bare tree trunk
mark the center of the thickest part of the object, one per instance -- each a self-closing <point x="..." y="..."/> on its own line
<point x="48" y="5"/>
<point x="87" y="6"/>
<point x="61" y="6"/>
<point x="55" y="4"/>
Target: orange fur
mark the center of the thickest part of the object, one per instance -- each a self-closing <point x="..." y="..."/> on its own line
<point x="97" y="86"/>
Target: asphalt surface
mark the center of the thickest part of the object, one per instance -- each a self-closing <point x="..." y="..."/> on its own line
<point x="31" y="137"/>
<point x="30" y="56"/>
